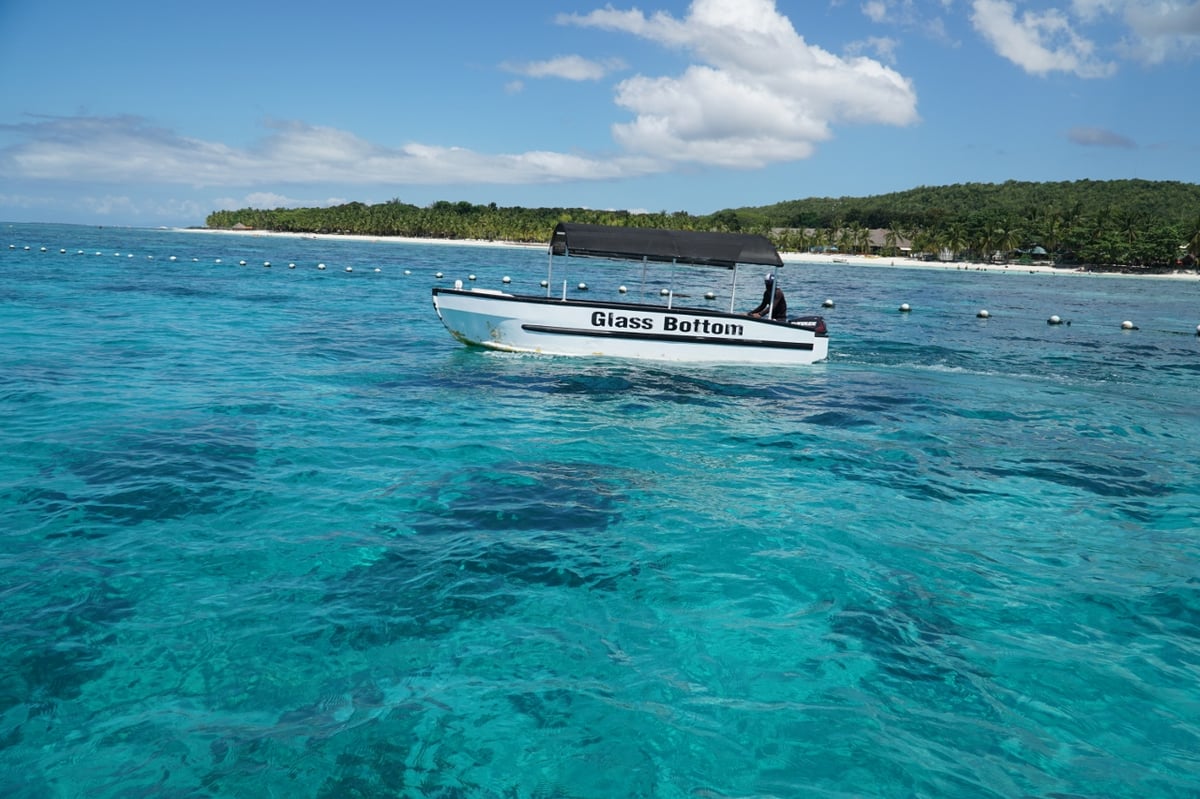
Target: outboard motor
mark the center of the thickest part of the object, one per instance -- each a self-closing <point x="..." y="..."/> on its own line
<point x="814" y="323"/>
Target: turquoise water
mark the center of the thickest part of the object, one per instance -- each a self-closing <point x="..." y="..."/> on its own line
<point x="272" y="532"/>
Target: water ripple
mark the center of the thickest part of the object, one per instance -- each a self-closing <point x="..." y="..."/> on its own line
<point x="274" y="532"/>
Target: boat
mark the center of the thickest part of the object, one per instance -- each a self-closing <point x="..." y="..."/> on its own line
<point x="651" y="329"/>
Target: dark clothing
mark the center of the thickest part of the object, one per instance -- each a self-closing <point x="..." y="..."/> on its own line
<point x="779" y="312"/>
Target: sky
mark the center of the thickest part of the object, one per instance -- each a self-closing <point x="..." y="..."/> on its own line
<point x="151" y="112"/>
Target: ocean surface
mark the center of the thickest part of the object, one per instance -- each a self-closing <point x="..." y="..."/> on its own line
<point x="272" y="532"/>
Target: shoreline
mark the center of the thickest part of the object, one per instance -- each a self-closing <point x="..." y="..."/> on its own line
<point x="874" y="261"/>
<point x="360" y="238"/>
<point x="884" y="262"/>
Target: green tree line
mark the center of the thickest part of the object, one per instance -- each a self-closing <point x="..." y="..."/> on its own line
<point x="441" y="220"/>
<point x="1138" y="223"/>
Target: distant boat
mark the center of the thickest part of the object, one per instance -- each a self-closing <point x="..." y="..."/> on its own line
<point x="641" y="330"/>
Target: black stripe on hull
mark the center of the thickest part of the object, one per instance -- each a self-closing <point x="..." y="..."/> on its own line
<point x="625" y="334"/>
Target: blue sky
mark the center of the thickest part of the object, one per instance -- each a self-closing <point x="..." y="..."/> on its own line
<point x="157" y="113"/>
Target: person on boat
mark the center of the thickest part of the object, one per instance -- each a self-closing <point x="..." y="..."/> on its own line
<point x="778" y="310"/>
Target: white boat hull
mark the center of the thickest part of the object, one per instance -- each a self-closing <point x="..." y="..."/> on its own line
<point x="521" y="323"/>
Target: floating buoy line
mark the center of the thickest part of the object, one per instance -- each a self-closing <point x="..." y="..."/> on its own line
<point x="176" y="259"/>
<point x="1053" y="320"/>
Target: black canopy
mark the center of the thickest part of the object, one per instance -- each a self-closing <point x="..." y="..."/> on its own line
<point x="681" y="246"/>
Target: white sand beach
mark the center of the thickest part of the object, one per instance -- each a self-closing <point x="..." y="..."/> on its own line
<point x="963" y="266"/>
<point x="353" y="237"/>
<point x="874" y="261"/>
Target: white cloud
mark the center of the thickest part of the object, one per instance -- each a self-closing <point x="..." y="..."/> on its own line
<point x="1091" y="10"/>
<point x="109" y="205"/>
<point x="139" y="208"/>
<point x="875" y="10"/>
<point x="923" y="19"/>
<point x="269" y="199"/>
<point x="1038" y="42"/>
<point x="25" y="201"/>
<point x="884" y="48"/>
<point x="1099" y="137"/>
<point x="1149" y="31"/>
<point x="761" y="93"/>
<point x="568" y="67"/>
<point x="127" y="208"/>
<point x="1163" y="30"/>
<point x="756" y="94"/>
<point x="129" y="149"/>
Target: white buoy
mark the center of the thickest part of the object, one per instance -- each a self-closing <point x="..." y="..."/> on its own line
<point x="242" y="262"/>
<point x="438" y="275"/>
<point x="378" y="270"/>
<point x="827" y="304"/>
<point x="545" y="283"/>
<point x="664" y="292"/>
<point x="172" y="258"/>
<point x="265" y="263"/>
<point x="1198" y="330"/>
<point x="217" y="261"/>
<point x="149" y="257"/>
<point x="291" y="266"/>
<point x="622" y="289"/>
<point x="62" y="251"/>
<point x="43" y="249"/>
<point x="506" y="279"/>
<point x="905" y="308"/>
<point x="583" y="286"/>
<point x="470" y="277"/>
<point x="408" y="271"/>
<point x="983" y="314"/>
<point x="1127" y="325"/>
<point x="1054" y="320"/>
<point x="708" y="295"/>
<point x="321" y="267"/>
<point x="130" y="255"/>
<point x="349" y="268"/>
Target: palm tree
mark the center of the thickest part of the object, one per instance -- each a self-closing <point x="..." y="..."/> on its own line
<point x="891" y="240"/>
<point x="855" y="237"/>
<point x="955" y="240"/>
<point x="985" y="243"/>
<point x="823" y="239"/>
<point x="923" y="242"/>
<point x="1052" y="230"/>
<point x="1131" y="225"/>
<point x="1193" y="242"/>
<point x="1007" y="238"/>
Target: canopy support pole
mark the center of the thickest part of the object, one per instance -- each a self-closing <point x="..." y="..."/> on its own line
<point x="733" y="289"/>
